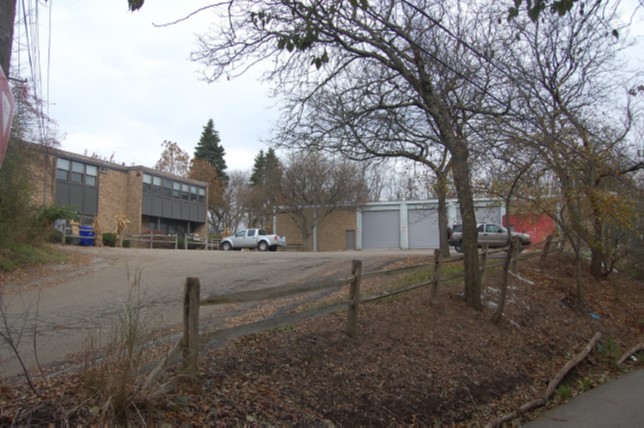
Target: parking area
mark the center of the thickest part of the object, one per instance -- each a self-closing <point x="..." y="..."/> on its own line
<point x="70" y="303"/>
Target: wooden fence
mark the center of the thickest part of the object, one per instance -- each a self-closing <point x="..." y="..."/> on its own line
<point x="153" y="240"/>
<point x="188" y="346"/>
<point x="150" y="240"/>
<point x="206" y="243"/>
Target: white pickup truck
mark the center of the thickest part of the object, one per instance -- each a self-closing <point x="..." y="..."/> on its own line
<point x="252" y="238"/>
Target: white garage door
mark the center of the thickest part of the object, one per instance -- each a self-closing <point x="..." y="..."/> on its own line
<point x="423" y="229"/>
<point x="380" y="229"/>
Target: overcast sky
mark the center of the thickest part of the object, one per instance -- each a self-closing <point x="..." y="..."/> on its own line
<point x="118" y="85"/>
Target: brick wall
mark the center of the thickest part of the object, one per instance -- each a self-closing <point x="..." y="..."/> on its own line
<point x="120" y="189"/>
<point x="42" y="170"/>
<point x="120" y="194"/>
<point x="331" y="234"/>
<point x="202" y="230"/>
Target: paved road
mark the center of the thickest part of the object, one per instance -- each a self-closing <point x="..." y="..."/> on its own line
<point x="76" y="303"/>
<point x="619" y="403"/>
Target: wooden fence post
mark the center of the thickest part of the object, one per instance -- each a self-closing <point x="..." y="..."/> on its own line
<point x="190" y="341"/>
<point x="483" y="265"/>
<point x="354" y="299"/>
<point x="544" y="253"/>
<point x="437" y="277"/>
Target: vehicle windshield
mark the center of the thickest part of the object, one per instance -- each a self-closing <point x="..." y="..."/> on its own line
<point x="495" y="228"/>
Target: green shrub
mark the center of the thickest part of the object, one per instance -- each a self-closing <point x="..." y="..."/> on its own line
<point x="109" y="239"/>
<point x="55" y="236"/>
<point x="17" y="255"/>
<point x="47" y="215"/>
<point x="609" y="349"/>
<point x="563" y="393"/>
<point x="127" y="243"/>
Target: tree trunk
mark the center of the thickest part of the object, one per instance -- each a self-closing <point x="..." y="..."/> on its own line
<point x="597" y="244"/>
<point x="7" y="17"/>
<point x="461" y="173"/>
<point x="512" y="253"/>
<point x="441" y="194"/>
<point x="579" y="279"/>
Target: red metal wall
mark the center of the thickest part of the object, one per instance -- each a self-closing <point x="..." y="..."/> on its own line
<point x="538" y="227"/>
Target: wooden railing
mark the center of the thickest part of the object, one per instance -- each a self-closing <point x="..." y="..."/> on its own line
<point x="189" y="345"/>
<point x="206" y="243"/>
<point x="152" y="239"/>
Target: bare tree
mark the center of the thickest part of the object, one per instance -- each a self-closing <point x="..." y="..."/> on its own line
<point x="173" y="160"/>
<point x="566" y="74"/>
<point x="313" y="186"/>
<point x="395" y="72"/>
<point x="236" y="198"/>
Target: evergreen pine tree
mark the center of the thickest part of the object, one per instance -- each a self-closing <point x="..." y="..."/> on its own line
<point x="257" y="176"/>
<point x="272" y="175"/>
<point x="210" y="150"/>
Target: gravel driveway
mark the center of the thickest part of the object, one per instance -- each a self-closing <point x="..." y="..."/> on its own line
<point x="74" y="303"/>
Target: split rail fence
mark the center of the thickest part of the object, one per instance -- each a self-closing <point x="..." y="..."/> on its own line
<point x="150" y="240"/>
<point x="188" y="347"/>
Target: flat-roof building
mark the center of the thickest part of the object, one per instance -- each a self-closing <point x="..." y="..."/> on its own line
<point x="105" y="192"/>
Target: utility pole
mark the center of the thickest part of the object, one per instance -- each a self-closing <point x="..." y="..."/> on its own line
<point x="7" y="17"/>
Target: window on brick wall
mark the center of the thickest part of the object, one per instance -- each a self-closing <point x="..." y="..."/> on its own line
<point x="76" y="172"/>
<point x="166" y="187"/>
<point x="147" y="183"/>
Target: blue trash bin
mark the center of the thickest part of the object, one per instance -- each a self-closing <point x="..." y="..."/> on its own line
<point x="86" y="235"/>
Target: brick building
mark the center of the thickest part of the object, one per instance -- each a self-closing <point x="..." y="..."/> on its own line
<point x="104" y="191"/>
<point x="335" y="233"/>
<point x="384" y="225"/>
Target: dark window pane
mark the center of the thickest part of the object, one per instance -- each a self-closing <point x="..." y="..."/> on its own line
<point x="77" y="177"/>
<point x="90" y="180"/>
<point x="62" y="175"/>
